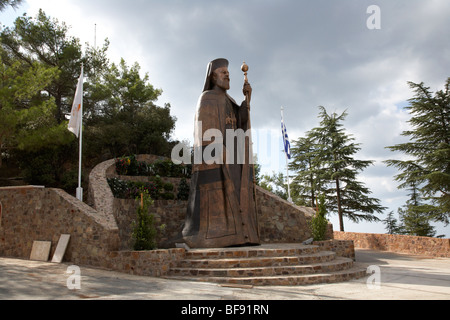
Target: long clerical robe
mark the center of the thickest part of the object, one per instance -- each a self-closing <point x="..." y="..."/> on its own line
<point x="221" y="208"/>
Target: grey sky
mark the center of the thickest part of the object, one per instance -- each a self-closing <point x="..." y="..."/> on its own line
<point x="301" y="54"/>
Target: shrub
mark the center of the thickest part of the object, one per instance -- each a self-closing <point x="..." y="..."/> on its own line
<point x="144" y="230"/>
<point x="168" y="186"/>
<point x="166" y="168"/>
<point x="156" y="189"/>
<point x="119" y="188"/>
<point x="319" y="223"/>
<point x="129" y="166"/>
<point x="183" y="190"/>
<point x="168" y="196"/>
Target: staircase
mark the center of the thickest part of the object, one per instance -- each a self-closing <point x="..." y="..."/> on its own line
<point x="274" y="264"/>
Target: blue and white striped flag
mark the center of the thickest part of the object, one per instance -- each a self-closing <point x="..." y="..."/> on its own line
<point x="287" y="144"/>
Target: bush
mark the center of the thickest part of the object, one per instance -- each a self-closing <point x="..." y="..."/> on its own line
<point x="119" y="188"/>
<point x="319" y="223"/>
<point x="166" y="168"/>
<point x="168" y="186"/>
<point x="156" y="189"/>
<point x="168" y="196"/>
<point x="183" y="190"/>
<point x="144" y="230"/>
<point x="129" y="166"/>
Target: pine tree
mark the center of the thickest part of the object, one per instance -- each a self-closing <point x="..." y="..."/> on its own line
<point x="25" y="116"/>
<point x="335" y="170"/>
<point x="414" y="215"/>
<point x="391" y="224"/>
<point x="12" y="3"/>
<point x="275" y="183"/>
<point x="307" y="164"/>
<point x="428" y="150"/>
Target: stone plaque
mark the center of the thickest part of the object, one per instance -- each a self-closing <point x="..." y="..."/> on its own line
<point x="61" y="248"/>
<point x="40" y="250"/>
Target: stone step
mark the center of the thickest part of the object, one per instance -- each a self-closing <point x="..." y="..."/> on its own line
<point x="285" y="280"/>
<point x="269" y="264"/>
<point x="272" y="250"/>
<point x="330" y="266"/>
<point x="261" y="261"/>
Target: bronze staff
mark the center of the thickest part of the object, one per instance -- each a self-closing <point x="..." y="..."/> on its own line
<point x="245" y="69"/>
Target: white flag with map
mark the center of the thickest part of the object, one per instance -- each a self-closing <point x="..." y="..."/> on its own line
<point x="76" y="114"/>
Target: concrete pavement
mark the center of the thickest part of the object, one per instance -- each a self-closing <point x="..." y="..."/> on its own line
<point x="397" y="276"/>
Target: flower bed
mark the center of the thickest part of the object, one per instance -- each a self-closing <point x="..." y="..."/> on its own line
<point x="157" y="188"/>
<point x="129" y="166"/>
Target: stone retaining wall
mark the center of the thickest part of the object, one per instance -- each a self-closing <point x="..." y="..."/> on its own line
<point x="342" y="248"/>
<point x="170" y="213"/>
<point x="156" y="263"/>
<point x="279" y="221"/>
<point x="39" y="214"/>
<point x="398" y="243"/>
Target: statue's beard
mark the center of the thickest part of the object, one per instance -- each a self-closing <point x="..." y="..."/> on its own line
<point x="223" y="84"/>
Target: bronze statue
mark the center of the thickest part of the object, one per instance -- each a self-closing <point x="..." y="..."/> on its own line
<point x="221" y="208"/>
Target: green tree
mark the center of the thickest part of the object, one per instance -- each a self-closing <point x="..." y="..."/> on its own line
<point x="333" y="170"/>
<point x="26" y="120"/>
<point x="428" y="166"/>
<point x="415" y="216"/>
<point x="12" y="3"/>
<point x="46" y="40"/>
<point x="120" y="116"/>
<point x="275" y="183"/>
<point x="44" y="148"/>
<point x="392" y="225"/>
<point x="124" y="118"/>
<point x="307" y="165"/>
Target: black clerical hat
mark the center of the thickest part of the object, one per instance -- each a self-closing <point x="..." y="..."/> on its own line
<point x="213" y="65"/>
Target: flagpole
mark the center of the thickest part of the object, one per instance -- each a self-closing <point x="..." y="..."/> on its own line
<point x="287" y="163"/>
<point x="80" y="189"/>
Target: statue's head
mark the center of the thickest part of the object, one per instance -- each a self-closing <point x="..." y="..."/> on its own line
<point x="217" y="75"/>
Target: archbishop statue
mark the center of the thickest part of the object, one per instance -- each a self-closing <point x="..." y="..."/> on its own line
<point x="221" y="208"/>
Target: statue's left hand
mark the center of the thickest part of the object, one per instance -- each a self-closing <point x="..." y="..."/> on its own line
<point x="247" y="91"/>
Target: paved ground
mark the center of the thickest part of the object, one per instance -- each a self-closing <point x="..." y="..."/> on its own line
<point x="403" y="277"/>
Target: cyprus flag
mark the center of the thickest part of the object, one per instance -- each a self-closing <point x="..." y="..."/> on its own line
<point x="77" y="109"/>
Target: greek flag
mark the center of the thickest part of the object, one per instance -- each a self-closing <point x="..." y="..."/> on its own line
<point x="287" y="144"/>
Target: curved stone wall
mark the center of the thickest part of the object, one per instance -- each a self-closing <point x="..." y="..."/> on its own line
<point x="279" y="220"/>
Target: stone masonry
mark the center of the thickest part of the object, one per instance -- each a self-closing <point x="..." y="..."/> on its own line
<point x="433" y="247"/>
<point x="279" y="221"/>
<point x="32" y="213"/>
